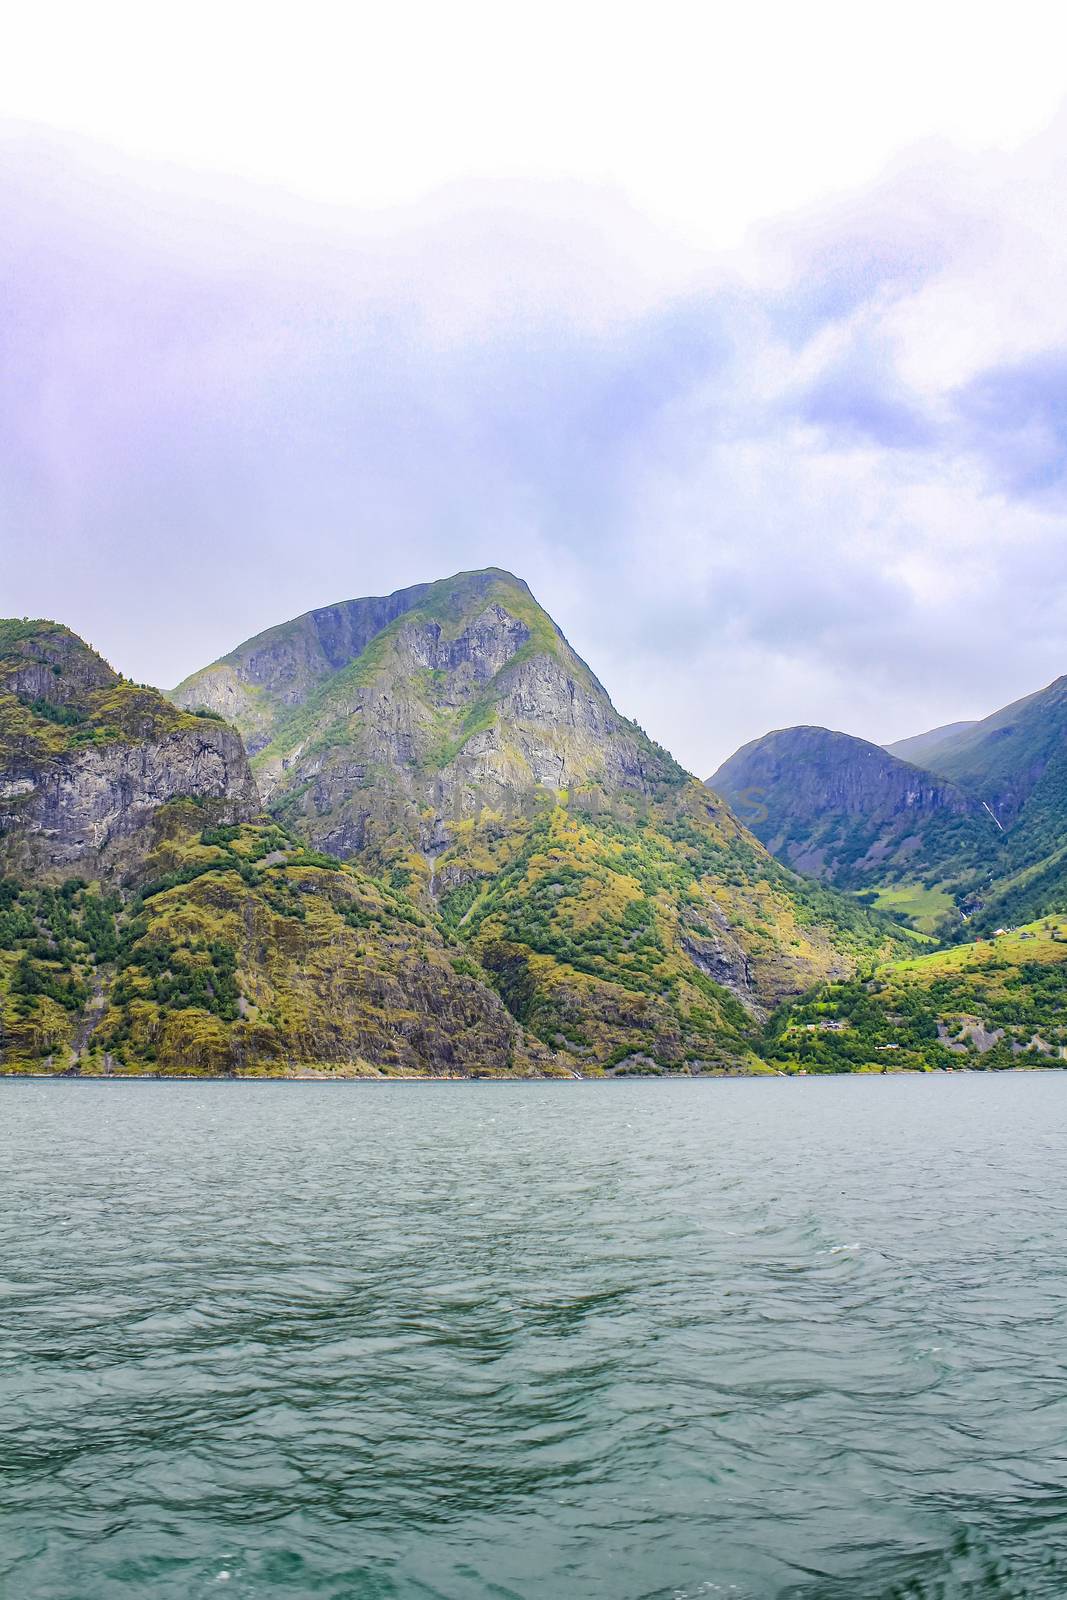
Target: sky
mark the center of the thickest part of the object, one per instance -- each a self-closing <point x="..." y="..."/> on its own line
<point x="742" y="338"/>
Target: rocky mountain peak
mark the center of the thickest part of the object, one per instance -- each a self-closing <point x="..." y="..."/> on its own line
<point x="378" y="726"/>
<point x="41" y="660"/>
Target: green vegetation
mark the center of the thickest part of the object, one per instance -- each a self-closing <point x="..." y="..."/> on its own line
<point x="52" y="942"/>
<point x="246" y="953"/>
<point x="1031" y="877"/>
<point x="598" y="931"/>
<point x="200" y="973"/>
<point x="992" y="1003"/>
<point x="63" y="716"/>
<point x="924" y="908"/>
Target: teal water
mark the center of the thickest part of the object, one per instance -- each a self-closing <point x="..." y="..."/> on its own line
<point x="720" y="1339"/>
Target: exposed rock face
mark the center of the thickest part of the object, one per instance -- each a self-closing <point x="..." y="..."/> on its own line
<point x="254" y="684"/>
<point x="89" y="808"/>
<point x="466" y="697"/>
<point x="86" y="759"/>
<point x="848" y="812"/>
<point x="43" y="660"/>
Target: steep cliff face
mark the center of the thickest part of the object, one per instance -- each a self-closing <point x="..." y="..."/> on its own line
<point x="87" y="759"/>
<point x="45" y="661"/>
<point x="847" y="812"/>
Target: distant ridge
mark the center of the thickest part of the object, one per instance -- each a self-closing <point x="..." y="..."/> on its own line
<point x="848" y="812"/>
<point x="972" y="830"/>
<point x="921" y="746"/>
<point x="1003" y="757"/>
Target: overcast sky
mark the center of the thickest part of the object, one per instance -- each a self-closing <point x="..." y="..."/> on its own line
<point x="742" y="338"/>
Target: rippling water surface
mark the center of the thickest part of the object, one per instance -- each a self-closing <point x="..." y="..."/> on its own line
<point x="741" y="1339"/>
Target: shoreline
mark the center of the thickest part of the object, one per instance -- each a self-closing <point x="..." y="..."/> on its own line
<point x="423" y="1078"/>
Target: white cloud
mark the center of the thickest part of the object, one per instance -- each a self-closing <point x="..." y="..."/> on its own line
<point x="816" y="480"/>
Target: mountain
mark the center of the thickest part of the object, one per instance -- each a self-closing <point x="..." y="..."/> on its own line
<point x="247" y="956"/>
<point x="920" y="746"/>
<point x="1003" y="757"/>
<point x="448" y="739"/>
<point x="381" y="726"/>
<point x="152" y="919"/>
<point x="530" y="885"/>
<point x="1030" y="875"/>
<point x="849" y="813"/>
<point x="1015" y="763"/>
<point x="535" y="886"/>
<point x="975" y="838"/>
<point x="87" y="759"/>
<point x="263" y="679"/>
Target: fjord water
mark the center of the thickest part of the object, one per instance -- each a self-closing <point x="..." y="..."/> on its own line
<point x="736" y="1338"/>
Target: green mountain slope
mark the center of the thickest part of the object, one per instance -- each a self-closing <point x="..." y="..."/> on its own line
<point x="246" y="955"/>
<point x="1030" y="875"/>
<point x="1015" y="762"/>
<point x="665" y="934"/>
<point x="848" y="813"/>
<point x="920" y="746"/>
<point x="1002" y="758"/>
<point x="149" y="921"/>
<point x="991" y="1003"/>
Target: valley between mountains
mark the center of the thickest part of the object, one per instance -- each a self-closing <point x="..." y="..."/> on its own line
<point x="411" y="836"/>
